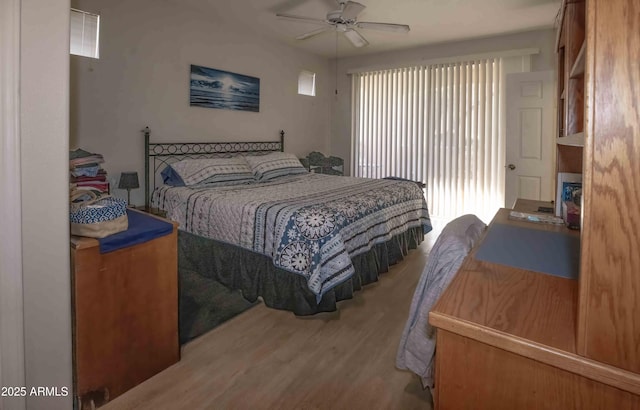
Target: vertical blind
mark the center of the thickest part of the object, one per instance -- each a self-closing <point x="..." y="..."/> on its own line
<point x="440" y="124"/>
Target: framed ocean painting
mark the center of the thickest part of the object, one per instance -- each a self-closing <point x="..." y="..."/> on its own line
<point x="213" y="88"/>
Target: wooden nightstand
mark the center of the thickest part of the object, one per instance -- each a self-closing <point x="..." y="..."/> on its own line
<point x="125" y="315"/>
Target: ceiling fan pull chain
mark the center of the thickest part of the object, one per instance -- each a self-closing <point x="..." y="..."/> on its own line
<point x="336" y="63"/>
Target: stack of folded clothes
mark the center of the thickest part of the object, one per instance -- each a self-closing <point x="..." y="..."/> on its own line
<point x="86" y="172"/>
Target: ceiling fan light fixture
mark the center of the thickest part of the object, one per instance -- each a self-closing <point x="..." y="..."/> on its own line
<point x="344" y="21"/>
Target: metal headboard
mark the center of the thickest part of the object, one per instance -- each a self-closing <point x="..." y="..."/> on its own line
<point x="158" y="155"/>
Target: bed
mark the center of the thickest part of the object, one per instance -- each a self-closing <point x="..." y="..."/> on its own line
<point x="298" y="240"/>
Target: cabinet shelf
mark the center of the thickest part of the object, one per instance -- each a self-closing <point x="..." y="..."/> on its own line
<point x="578" y="66"/>
<point x="575" y="140"/>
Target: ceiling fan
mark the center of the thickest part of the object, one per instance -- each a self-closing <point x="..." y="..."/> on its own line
<point x="344" y="20"/>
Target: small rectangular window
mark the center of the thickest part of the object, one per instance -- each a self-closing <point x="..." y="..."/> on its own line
<point x="307" y="83"/>
<point x="84" y="33"/>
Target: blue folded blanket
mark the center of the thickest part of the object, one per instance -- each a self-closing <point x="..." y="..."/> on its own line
<point x="142" y="228"/>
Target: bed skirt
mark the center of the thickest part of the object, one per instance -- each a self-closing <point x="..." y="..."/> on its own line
<point x="255" y="275"/>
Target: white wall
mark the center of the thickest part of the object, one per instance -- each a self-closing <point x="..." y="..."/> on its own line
<point x="11" y="304"/>
<point x="44" y="122"/>
<point x="142" y="78"/>
<point x="341" y="106"/>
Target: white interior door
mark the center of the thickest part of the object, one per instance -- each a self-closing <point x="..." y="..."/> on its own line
<point x="530" y="136"/>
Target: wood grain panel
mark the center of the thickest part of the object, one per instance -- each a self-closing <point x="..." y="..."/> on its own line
<point x="569" y="159"/>
<point x="574" y="24"/>
<point x="574" y="101"/>
<point x="524" y="304"/>
<point x="125" y="314"/>
<point x="610" y="285"/>
<point x="561" y="93"/>
<point x="472" y="375"/>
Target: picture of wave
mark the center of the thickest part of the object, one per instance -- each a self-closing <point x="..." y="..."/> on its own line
<point x="213" y="88"/>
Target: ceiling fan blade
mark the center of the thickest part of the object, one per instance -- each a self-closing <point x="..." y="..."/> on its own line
<point x="300" y="19"/>
<point x="351" y="10"/>
<point x="313" y="33"/>
<point x="396" y="28"/>
<point x="356" y="39"/>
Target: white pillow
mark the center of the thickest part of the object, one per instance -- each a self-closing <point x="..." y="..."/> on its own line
<point x="273" y="165"/>
<point x="216" y="171"/>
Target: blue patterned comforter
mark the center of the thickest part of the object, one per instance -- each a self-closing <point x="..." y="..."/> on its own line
<point x="309" y="224"/>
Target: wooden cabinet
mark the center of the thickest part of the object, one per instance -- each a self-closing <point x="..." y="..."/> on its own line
<point x="609" y="297"/>
<point x="125" y="315"/>
<point x="475" y="376"/>
<point x="511" y="338"/>
<point x="571" y="47"/>
<point x="506" y="340"/>
<point x="599" y="85"/>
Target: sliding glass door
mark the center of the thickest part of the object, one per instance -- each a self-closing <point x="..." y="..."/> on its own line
<point x="441" y="124"/>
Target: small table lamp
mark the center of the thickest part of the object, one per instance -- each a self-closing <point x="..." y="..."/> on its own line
<point x="128" y="181"/>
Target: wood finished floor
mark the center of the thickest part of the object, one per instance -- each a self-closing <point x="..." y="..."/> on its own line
<point x="270" y="359"/>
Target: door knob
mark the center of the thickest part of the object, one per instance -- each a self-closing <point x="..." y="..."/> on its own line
<point x="511" y="167"/>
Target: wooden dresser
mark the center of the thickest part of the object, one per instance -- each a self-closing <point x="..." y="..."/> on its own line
<point x="125" y="315"/>
<point x="514" y="338"/>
